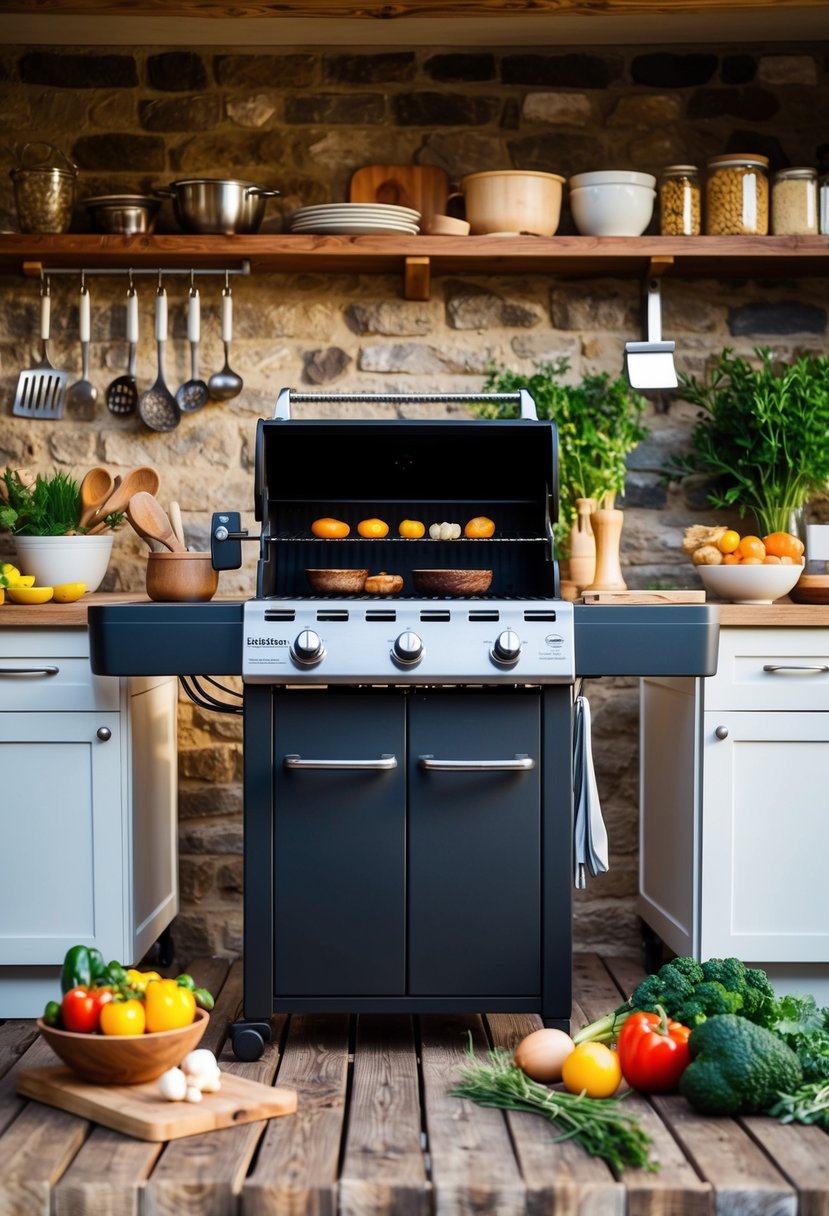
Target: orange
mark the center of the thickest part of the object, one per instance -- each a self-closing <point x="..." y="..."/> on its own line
<point x="330" y="529"/>
<point x="412" y="529"/>
<point x="372" y="528"/>
<point x="729" y="541"/>
<point x="480" y="526"/>
<point x="752" y="561"/>
<point x="771" y="560"/>
<point x="751" y="546"/>
<point x="783" y="544"/>
<point x="731" y="559"/>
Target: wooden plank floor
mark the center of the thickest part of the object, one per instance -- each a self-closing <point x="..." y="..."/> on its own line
<point x="377" y="1132"/>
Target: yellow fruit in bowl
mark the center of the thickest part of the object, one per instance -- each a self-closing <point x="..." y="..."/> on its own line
<point x="30" y="595"/>
<point x="67" y="593"/>
<point x="24" y="580"/>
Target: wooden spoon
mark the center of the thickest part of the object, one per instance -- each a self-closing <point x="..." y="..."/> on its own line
<point x="143" y="478"/>
<point x="96" y="488"/>
<point x="151" y="521"/>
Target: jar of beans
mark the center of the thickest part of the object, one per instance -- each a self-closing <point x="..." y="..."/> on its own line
<point x="737" y="195"/>
<point x="794" y="200"/>
<point x="680" y="201"/>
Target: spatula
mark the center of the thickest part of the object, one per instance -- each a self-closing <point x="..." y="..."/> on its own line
<point x="41" y="390"/>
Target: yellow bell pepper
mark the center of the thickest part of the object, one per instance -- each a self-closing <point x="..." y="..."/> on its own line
<point x="168" y="1006"/>
<point x="138" y="980"/>
<point x="122" y="1017"/>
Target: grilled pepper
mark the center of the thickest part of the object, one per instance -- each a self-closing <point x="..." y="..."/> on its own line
<point x="168" y="1005"/>
<point x="81" y="967"/>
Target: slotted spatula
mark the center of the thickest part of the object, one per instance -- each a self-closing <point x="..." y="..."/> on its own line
<point x="41" y="390"/>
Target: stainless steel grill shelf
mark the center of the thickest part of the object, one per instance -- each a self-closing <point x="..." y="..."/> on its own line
<point x="407" y="540"/>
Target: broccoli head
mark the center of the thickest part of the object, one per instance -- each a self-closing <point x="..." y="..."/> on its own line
<point x="737" y="1067"/>
<point x="667" y="987"/>
<point x="707" y="1000"/>
<point x="759" y="997"/>
<point x="729" y="972"/>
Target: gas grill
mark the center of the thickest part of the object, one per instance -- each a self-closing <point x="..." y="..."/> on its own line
<point x="408" y="761"/>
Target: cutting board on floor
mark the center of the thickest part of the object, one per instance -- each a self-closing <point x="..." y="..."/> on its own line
<point x="140" y="1111"/>
<point x="643" y="597"/>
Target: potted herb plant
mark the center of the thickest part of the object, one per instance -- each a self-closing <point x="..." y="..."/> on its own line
<point x="43" y="513"/>
<point x="762" y="435"/>
<point x="599" y="423"/>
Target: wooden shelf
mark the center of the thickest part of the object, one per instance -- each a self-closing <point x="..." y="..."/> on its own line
<point x="417" y="258"/>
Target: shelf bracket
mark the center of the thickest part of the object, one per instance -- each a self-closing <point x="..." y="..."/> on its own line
<point x="416" y="278"/>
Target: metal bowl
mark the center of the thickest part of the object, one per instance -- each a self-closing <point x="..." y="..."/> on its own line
<point x="123" y="213"/>
<point x="218" y="205"/>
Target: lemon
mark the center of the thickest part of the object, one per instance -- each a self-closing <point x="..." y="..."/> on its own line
<point x="2" y="595"/>
<point x="30" y="595"/>
<point x="67" y="593"/>
<point x="24" y="580"/>
<point x="11" y="572"/>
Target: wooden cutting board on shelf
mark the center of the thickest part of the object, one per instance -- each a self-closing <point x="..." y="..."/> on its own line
<point x="424" y="188"/>
<point x="140" y="1111"/>
<point x="643" y="597"/>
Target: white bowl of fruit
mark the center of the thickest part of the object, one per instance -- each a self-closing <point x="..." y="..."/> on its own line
<point x="745" y="569"/>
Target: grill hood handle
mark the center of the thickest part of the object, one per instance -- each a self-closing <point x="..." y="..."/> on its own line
<point x="282" y="409"/>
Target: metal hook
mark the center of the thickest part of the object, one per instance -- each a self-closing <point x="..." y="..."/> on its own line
<point x="83" y="282"/>
<point x="130" y="284"/>
<point x="160" y="287"/>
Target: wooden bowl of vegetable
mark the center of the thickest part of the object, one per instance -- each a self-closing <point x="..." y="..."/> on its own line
<point x="124" y="1059"/>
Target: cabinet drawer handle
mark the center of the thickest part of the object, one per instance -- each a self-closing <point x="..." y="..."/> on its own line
<point x="519" y="764"/>
<point x="773" y="668"/>
<point x="721" y="732"/>
<point x="29" y="671"/>
<point x="384" y="763"/>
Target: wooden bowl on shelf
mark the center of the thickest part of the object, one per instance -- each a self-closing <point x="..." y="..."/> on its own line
<point x="451" y="582"/>
<point x="124" y="1059"/>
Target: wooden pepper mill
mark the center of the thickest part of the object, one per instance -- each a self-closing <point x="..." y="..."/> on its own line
<point x="607" y="529"/>
<point x="582" y="544"/>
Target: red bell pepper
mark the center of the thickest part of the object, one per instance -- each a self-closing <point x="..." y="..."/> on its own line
<point x="653" y="1052"/>
<point x="80" y="1008"/>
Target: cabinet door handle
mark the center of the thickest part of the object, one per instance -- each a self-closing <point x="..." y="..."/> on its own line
<point x="104" y="734"/>
<point x="384" y="763"/>
<point x="29" y="671"/>
<point x="773" y="668"/>
<point x="519" y="764"/>
<point x="721" y="732"/>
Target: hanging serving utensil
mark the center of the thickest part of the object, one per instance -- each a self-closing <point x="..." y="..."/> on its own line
<point x="157" y="406"/>
<point x="122" y="394"/>
<point x="225" y="384"/>
<point x="41" y="390"/>
<point x="193" y="393"/>
<point x="83" y="394"/>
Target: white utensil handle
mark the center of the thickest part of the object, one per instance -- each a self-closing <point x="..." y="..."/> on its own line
<point x="83" y="315"/>
<point x="227" y="316"/>
<point x="45" y="314"/>
<point x="193" y="316"/>
<point x="132" y="317"/>
<point x="161" y="316"/>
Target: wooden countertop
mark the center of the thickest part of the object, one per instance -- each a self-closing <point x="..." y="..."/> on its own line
<point x="60" y="616"/>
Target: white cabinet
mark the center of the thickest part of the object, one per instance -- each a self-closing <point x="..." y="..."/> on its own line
<point x="88" y="777"/>
<point x="734" y="829"/>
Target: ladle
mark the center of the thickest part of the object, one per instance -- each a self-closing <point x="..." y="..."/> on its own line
<point x="151" y="521"/>
<point x="193" y="394"/>
<point x="143" y="478"/>
<point x="96" y="488"/>
<point x="83" y="394"/>
<point x="225" y="384"/>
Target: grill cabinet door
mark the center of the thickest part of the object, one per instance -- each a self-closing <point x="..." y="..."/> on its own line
<point x="474" y="847"/>
<point x="339" y="843"/>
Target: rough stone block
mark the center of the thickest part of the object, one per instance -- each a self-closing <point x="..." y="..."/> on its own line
<point x="443" y="109"/>
<point x="176" y="71"/>
<point x="383" y="68"/>
<point x="198" y="800"/>
<point x="323" y="366"/>
<point x="783" y="317"/>
<point x="352" y="108"/>
<point x="469" y="306"/>
<point x="198" y="113"/>
<point x="451" y="68"/>
<point x="558" y="109"/>
<point x="645" y="110"/>
<point x="271" y="71"/>
<point x="415" y="360"/>
<point x="788" y="69"/>
<point x="394" y="318"/>
<point x="252" y="111"/>
<point x="738" y="69"/>
<point x="210" y="838"/>
<point x="668" y="70"/>
<point x="751" y="103"/>
<point x="113" y="150"/>
<point x="572" y="71"/>
<point x="62" y="70"/>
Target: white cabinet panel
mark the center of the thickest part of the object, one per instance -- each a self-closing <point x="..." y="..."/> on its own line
<point x="774" y="669"/>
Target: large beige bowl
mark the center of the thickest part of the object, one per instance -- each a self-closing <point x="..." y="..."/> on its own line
<point x="124" y="1059"/>
<point x="749" y="584"/>
<point x="512" y="201"/>
<point x="181" y="576"/>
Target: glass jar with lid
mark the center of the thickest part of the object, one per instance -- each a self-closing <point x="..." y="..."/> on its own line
<point x="737" y="195"/>
<point x="794" y="202"/>
<point x="680" y="199"/>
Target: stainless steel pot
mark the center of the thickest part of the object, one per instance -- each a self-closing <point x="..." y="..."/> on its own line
<point x="124" y="213"/>
<point x="218" y="205"/>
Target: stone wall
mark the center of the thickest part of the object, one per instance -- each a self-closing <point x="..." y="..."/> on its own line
<point x="303" y="119"/>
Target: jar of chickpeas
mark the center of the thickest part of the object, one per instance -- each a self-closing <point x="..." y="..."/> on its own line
<point x="680" y="201"/>
<point x="737" y="195"/>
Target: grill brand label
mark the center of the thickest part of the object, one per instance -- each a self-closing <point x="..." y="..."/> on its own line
<point x="266" y="641"/>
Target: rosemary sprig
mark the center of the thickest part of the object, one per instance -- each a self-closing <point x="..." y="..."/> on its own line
<point x="599" y="1124"/>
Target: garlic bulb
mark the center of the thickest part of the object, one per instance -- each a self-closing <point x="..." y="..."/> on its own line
<point x="172" y="1085"/>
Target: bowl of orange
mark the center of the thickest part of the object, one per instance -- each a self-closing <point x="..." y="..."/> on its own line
<point x="749" y="584"/>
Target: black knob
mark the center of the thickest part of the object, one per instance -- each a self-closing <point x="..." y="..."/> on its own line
<point x="507" y="648"/>
<point x="308" y="648"/>
<point x="407" y="648"/>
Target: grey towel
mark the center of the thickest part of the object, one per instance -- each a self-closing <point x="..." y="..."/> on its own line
<point x="589" y="832"/>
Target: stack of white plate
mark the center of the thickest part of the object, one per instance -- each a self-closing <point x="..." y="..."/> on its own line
<point x="355" y="219"/>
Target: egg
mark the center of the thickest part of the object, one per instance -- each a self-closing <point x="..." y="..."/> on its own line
<point x="542" y="1053"/>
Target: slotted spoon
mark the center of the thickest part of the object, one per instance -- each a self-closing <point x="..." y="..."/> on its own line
<point x="157" y="406"/>
<point x="192" y="395"/>
<point x="122" y="394"/>
<point x="41" y="390"/>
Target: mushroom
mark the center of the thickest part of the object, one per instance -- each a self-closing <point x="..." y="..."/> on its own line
<point x="172" y="1085"/>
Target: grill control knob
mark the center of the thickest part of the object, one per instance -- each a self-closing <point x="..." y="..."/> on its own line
<point x="507" y="648"/>
<point x="308" y="648"/>
<point x="407" y="649"/>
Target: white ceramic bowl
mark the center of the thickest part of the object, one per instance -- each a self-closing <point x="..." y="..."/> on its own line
<point x="612" y="209"/>
<point x="64" y="559"/>
<point x="606" y="177"/>
<point x="749" y="584"/>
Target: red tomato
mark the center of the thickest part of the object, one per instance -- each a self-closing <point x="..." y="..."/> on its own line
<point x="653" y="1052"/>
<point x="81" y="1008"/>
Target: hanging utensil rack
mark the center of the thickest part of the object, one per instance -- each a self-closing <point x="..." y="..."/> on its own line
<point x="38" y="270"/>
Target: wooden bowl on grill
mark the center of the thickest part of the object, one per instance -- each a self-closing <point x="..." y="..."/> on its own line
<point x="124" y="1059"/>
<point x="451" y="582"/>
<point x="337" y="582"/>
